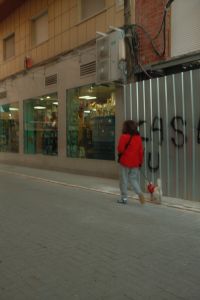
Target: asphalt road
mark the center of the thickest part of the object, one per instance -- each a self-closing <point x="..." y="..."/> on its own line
<point x="60" y="242"/>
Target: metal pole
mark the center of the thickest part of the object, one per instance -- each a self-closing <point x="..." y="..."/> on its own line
<point x="127" y="12"/>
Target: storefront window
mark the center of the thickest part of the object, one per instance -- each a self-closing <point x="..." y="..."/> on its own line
<point x="40" y="125"/>
<point x="9" y="127"/>
<point x="91" y="122"/>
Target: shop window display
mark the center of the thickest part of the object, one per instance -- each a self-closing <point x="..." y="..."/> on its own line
<point x="40" y="125"/>
<point x="91" y="122"/>
<point x="9" y="127"/>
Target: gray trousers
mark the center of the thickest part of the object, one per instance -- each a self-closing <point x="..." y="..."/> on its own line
<point x="128" y="175"/>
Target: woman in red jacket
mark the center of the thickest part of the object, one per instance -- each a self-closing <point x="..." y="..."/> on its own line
<point x="130" y="152"/>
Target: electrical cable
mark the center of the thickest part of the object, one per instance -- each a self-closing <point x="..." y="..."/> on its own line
<point x="160" y="54"/>
<point x="168" y="4"/>
<point x="161" y="26"/>
<point x="132" y="41"/>
<point x="148" y="75"/>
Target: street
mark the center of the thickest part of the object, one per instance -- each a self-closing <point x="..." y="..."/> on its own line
<point x="66" y="243"/>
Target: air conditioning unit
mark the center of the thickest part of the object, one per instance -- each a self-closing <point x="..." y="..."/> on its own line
<point x="109" y="51"/>
<point x="102" y="71"/>
<point x="102" y="62"/>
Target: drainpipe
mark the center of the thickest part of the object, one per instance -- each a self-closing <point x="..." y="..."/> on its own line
<point x="128" y="20"/>
<point x="127" y="12"/>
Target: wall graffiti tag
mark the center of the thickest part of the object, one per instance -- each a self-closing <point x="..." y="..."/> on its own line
<point x="178" y="138"/>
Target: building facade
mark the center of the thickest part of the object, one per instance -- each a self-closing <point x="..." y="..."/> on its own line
<point x="69" y="71"/>
<point x="52" y="112"/>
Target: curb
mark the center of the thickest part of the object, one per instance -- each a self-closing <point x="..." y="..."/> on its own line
<point x="70" y="185"/>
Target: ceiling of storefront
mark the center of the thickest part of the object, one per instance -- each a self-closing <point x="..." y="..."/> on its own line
<point x="7" y="6"/>
<point x="97" y="90"/>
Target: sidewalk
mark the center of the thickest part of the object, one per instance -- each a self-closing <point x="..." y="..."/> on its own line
<point x="98" y="184"/>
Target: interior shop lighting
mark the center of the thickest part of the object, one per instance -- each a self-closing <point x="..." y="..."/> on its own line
<point x="87" y="97"/>
<point x="13" y="109"/>
<point x="39" y="107"/>
<point x="41" y="99"/>
<point x="55" y="103"/>
<point x="87" y="111"/>
<point x="48" y="97"/>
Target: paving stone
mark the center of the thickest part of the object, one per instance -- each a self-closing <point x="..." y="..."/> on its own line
<point x="59" y="242"/>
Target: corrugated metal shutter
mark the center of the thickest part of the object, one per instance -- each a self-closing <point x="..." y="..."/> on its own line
<point x="185" y="27"/>
<point x="168" y="112"/>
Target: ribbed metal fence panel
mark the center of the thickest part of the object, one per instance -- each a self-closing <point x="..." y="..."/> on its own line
<point x="168" y="112"/>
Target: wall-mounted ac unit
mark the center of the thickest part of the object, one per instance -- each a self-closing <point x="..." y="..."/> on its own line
<point x="108" y="56"/>
<point x="102" y="59"/>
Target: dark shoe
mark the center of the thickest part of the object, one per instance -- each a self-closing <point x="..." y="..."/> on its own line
<point x="122" y="201"/>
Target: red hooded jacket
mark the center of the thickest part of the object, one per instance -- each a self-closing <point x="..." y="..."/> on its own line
<point x="132" y="157"/>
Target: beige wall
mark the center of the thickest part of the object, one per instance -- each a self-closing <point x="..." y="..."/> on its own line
<point x="65" y="30"/>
